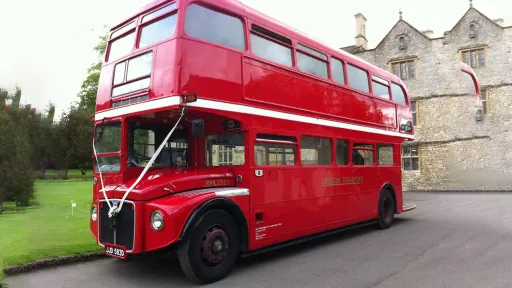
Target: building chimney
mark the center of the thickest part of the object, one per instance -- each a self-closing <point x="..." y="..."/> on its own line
<point x="361" y="31"/>
<point x="499" y="21"/>
<point x="429" y="33"/>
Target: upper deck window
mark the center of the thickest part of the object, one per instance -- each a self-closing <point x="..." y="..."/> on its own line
<point x="312" y="52"/>
<point x="338" y="74"/>
<point x="157" y="31"/>
<point x="358" y="78"/>
<point x="380" y="87"/>
<point x="159" y="13"/>
<point x="121" y="46"/>
<point x="398" y="94"/>
<point x="271" y="50"/>
<point x="123" y="30"/>
<point x="213" y="26"/>
<point x="311" y="64"/>
<point x="138" y="68"/>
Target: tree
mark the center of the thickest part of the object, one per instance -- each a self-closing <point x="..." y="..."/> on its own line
<point x="16" y="177"/>
<point x="89" y="88"/>
<point x="16" y="99"/>
<point x="73" y="139"/>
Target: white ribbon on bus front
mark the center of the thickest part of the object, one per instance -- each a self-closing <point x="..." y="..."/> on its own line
<point x="99" y="170"/>
<point x="114" y="210"/>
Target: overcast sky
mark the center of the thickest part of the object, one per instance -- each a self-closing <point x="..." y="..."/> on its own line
<point x="46" y="46"/>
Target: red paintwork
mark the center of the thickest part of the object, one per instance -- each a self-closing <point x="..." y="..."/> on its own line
<point x="154" y="182"/>
<point x="292" y="199"/>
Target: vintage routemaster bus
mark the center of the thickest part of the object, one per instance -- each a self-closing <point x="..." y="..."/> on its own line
<point x="222" y="132"/>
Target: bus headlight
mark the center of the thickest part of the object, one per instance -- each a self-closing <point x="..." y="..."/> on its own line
<point x="157" y="220"/>
<point x="94" y="213"/>
<point x="94" y="180"/>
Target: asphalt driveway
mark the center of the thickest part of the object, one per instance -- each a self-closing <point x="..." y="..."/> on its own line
<point x="450" y="240"/>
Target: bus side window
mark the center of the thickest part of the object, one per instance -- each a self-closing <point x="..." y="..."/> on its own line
<point x="216" y="27"/>
<point x="341" y="152"/>
<point x="398" y="94"/>
<point x="315" y="151"/>
<point x="362" y="154"/>
<point x="385" y="154"/>
<point x="358" y="78"/>
<point x="282" y="152"/>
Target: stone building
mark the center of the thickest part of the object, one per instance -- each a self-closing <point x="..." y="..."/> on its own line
<point x="453" y="150"/>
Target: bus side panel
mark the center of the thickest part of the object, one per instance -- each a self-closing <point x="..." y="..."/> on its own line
<point x="211" y="71"/>
<point x="275" y="209"/>
<point x="385" y="113"/>
<point x="279" y="87"/>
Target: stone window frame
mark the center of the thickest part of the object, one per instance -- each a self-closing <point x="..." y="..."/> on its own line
<point x="410" y="156"/>
<point x="468" y="51"/>
<point x="407" y="73"/>
<point x="485" y="102"/>
<point x="414" y="112"/>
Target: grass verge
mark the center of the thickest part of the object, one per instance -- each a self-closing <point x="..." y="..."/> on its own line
<point x="48" y="230"/>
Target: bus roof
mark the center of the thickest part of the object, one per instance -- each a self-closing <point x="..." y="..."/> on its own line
<point x="237" y="6"/>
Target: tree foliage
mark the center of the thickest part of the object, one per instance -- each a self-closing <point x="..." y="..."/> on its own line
<point x="34" y="142"/>
<point x="89" y="87"/>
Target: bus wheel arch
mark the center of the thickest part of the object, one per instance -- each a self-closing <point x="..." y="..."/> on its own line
<point x="226" y="205"/>
<point x="389" y="187"/>
<point x="386" y="207"/>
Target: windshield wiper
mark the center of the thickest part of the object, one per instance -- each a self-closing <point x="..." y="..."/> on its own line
<point x="100" y="134"/>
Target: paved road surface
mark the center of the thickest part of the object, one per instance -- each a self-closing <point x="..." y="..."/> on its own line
<point x="450" y="240"/>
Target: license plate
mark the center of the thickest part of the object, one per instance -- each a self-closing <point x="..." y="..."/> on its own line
<point x="115" y="251"/>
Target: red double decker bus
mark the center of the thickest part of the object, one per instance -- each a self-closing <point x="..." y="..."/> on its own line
<point x="220" y="131"/>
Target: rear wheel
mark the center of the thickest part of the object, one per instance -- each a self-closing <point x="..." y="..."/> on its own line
<point x="386" y="209"/>
<point x="209" y="253"/>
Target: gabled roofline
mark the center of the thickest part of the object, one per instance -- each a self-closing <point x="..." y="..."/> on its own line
<point x="437" y="38"/>
<point x="401" y="20"/>
<point x="472" y="8"/>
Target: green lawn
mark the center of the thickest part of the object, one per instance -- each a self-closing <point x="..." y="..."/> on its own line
<point x="72" y="174"/>
<point x="48" y="230"/>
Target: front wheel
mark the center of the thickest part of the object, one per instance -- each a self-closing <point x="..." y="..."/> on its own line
<point x="386" y="210"/>
<point x="209" y="253"/>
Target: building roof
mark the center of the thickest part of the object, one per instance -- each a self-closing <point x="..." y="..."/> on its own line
<point x="356" y="49"/>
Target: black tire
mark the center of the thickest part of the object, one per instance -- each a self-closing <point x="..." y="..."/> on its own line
<point x="212" y="227"/>
<point x="386" y="209"/>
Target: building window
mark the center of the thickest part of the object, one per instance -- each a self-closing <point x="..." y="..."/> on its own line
<point x="402" y="43"/>
<point x="485" y="100"/>
<point x="414" y="109"/>
<point x="474" y="57"/>
<point x="472" y="33"/>
<point x="404" y="69"/>
<point x="410" y="158"/>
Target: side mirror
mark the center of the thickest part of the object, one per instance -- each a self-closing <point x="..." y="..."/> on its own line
<point x="405" y="125"/>
<point x="198" y="127"/>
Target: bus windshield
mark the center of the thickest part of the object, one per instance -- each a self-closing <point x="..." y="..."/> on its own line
<point x="108" y="140"/>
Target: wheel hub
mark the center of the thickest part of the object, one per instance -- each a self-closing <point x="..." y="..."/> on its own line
<point x="214" y="246"/>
